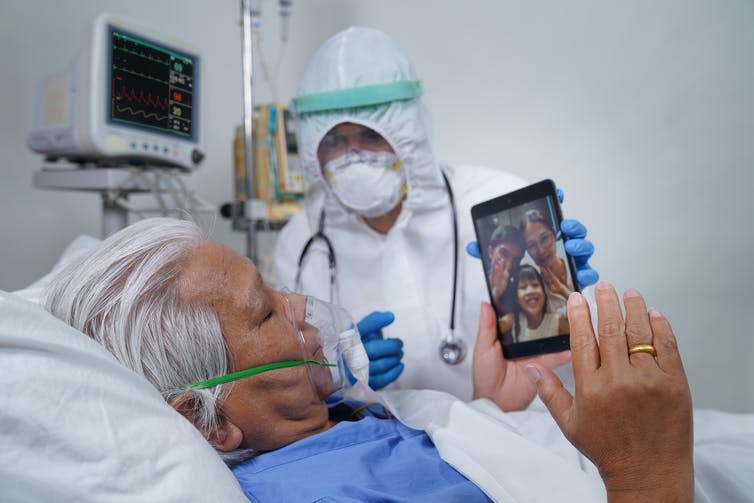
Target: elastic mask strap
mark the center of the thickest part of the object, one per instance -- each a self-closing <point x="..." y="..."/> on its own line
<point x="234" y="376"/>
<point x="357" y="96"/>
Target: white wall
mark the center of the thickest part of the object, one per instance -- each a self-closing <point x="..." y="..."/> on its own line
<point x="643" y="112"/>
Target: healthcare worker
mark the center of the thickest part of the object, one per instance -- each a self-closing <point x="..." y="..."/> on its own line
<point x="385" y="225"/>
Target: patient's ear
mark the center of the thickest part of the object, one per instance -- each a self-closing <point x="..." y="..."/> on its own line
<point x="226" y="437"/>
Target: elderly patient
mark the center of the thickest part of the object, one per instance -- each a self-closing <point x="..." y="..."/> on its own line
<point x="184" y="311"/>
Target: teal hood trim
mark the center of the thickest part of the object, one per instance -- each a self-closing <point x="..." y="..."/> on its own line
<point x="357" y="97"/>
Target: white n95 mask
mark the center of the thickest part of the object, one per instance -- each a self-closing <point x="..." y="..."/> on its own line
<point x="368" y="183"/>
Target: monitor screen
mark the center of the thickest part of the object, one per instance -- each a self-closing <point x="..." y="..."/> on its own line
<point x="151" y="86"/>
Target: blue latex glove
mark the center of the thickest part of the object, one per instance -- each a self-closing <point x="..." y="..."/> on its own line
<point x="384" y="354"/>
<point x="576" y="246"/>
<point x="580" y="249"/>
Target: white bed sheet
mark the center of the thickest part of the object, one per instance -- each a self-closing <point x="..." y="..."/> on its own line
<point x="523" y="456"/>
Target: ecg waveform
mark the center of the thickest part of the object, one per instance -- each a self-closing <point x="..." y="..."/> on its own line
<point x="137" y="112"/>
<point x="147" y="82"/>
<point x="148" y="100"/>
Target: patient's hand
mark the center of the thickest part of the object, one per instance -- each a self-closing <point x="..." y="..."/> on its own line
<point x="631" y="415"/>
<point x="505" y="382"/>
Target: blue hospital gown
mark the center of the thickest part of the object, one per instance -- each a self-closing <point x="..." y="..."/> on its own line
<point x="373" y="459"/>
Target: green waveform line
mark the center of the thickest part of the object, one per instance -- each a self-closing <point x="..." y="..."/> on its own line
<point x="157" y="48"/>
<point x="145" y="56"/>
<point x="138" y="74"/>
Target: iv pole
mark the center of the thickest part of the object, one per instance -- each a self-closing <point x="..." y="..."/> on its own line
<point x="248" y="109"/>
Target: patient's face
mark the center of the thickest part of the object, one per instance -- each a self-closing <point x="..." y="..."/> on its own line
<point x="277" y="407"/>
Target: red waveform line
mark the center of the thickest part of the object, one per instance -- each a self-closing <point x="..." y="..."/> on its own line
<point x="130" y="95"/>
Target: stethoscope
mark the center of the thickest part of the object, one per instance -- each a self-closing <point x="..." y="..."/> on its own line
<point x="452" y="349"/>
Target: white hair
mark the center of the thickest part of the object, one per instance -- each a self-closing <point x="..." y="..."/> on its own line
<point x="125" y="295"/>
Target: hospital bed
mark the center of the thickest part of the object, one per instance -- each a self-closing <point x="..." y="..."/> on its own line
<point x="75" y="425"/>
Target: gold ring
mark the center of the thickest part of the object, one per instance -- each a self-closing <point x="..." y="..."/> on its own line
<point x="642" y="348"/>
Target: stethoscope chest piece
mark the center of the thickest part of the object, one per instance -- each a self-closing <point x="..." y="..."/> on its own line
<point x="452" y="351"/>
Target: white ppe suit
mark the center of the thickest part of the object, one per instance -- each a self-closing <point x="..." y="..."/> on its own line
<point x="409" y="270"/>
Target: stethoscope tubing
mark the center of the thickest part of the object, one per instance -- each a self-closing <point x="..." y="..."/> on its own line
<point x="320" y="235"/>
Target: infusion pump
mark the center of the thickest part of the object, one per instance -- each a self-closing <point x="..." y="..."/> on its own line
<point x="131" y="94"/>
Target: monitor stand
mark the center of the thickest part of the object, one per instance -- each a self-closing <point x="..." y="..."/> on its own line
<point x="116" y="183"/>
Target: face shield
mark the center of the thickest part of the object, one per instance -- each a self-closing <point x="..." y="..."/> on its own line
<point x="381" y="92"/>
<point x="329" y="341"/>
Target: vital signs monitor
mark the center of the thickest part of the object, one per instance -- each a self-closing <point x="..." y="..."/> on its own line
<point x="131" y="94"/>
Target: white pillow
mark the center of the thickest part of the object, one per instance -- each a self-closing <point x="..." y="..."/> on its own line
<point x="76" y="425"/>
<point x="35" y="292"/>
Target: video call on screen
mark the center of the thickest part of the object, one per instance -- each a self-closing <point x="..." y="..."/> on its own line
<point x="526" y="276"/>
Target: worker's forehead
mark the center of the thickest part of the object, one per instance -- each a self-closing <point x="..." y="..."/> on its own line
<point x="348" y="127"/>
